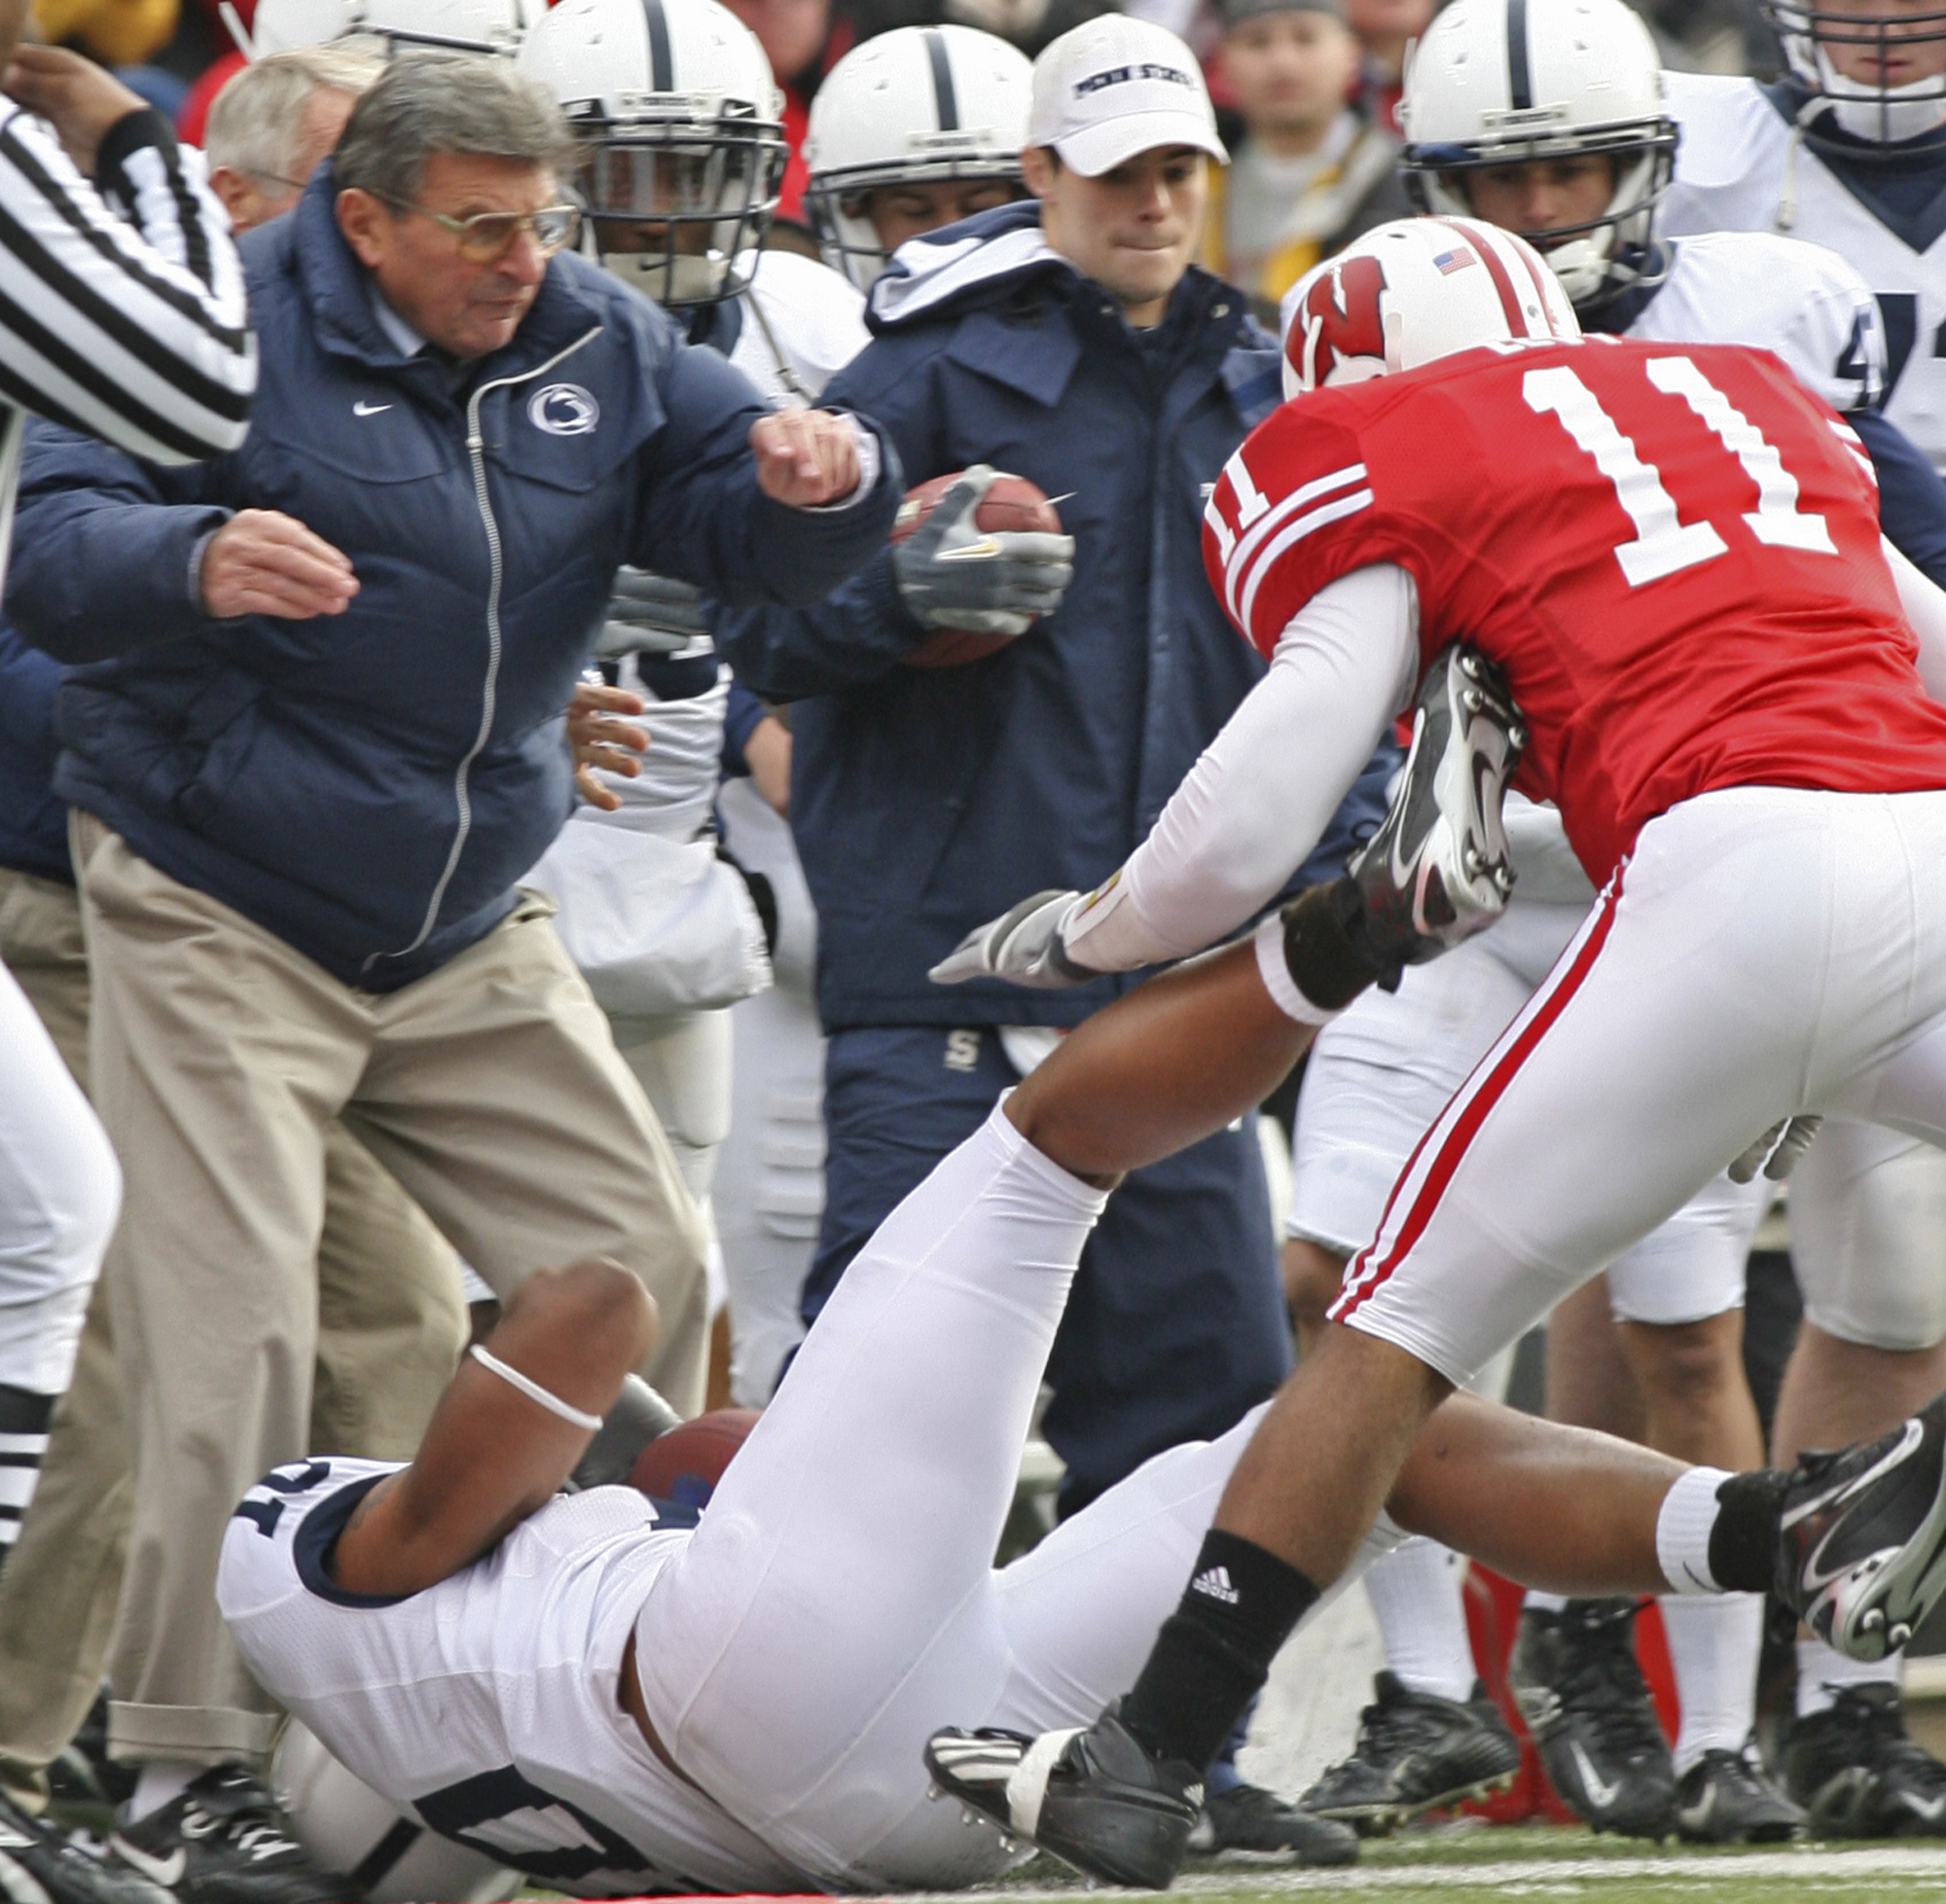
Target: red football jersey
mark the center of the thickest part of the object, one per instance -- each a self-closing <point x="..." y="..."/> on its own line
<point x="1673" y="549"/>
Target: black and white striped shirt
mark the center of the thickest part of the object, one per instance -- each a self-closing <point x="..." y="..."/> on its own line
<point x="133" y="329"/>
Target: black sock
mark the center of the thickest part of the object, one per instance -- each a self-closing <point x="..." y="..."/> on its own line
<point x="23" y="1443"/>
<point x="1214" y="1651"/>
<point x="1742" y="1544"/>
<point x="1322" y="948"/>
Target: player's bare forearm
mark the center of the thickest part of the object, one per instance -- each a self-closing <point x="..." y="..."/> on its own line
<point x="1162" y="1068"/>
<point x="493" y="1454"/>
<point x="1567" y="1510"/>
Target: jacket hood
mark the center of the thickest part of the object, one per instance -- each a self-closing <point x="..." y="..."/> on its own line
<point x="962" y="265"/>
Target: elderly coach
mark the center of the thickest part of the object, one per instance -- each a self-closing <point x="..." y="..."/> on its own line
<point x="328" y="748"/>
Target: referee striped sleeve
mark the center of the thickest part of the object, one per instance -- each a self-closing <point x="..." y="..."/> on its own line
<point x="133" y="331"/>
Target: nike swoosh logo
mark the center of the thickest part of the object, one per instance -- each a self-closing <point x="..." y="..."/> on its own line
<point x="972" y="551"/>
<point x="1696" y="1816"/>
<point x="1928" y="1808"/>
<point x="1815" y="1578"/>
<point x="1597" y="1789"/>
<point x="166" y="1871"/>
<point x="362" y="408"/>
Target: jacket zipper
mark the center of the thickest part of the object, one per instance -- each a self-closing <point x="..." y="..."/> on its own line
<point x="476" y="450"/>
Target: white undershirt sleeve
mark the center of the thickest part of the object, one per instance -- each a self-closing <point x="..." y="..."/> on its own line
<point x="1924" y="608"/>
<point x="1258" y="801"/>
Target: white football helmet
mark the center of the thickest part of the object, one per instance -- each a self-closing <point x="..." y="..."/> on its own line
<point x="450" y="25"/>
<point x="908" y="107"/>
<point x="1412" y="291"/>
<point x="681" y="132"/>
<point x="1506" y="81"/>
<point x="1883" y="114"/>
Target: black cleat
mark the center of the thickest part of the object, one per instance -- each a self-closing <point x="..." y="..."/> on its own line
<point x="1092" y="1797"/>
<point x="83" y="1775"/>
<point x="1861" y="1546"/>
<point x="1728" y="1797"/>
<point x="1438" y="868"/>
<point x="225" y="1840"/>
<point x="1854" y="1769"/>
<point x="1415" y="1752"/>
<point x="1246" y="1822"/>
<point x="41" y="1864"/>
<point x="1574" y="1676"/>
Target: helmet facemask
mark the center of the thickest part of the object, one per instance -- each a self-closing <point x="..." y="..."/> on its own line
<point x="1874" y="112"/>
<point x="671" y="203"/>
<point x="1593" y="260"/>
<point x="835" y="201"/>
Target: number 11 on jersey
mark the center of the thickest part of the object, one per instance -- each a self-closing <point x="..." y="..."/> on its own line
<point x="1664" y="543"/>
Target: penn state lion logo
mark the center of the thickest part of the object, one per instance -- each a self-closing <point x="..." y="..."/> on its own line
<point x="564" y="409"/>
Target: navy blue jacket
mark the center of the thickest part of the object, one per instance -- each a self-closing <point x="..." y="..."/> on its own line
<point x="370" y="786"/>
<point x="927" y="799"/>
<point x="33" y="819"/>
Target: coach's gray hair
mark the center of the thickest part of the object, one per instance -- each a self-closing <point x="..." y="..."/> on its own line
<point x="430" y="102"/>
<point x="256" y="122"/>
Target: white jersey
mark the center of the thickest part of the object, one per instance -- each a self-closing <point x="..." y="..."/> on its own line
<point x="1742" y="167"/>
<point x="803" y="323"/>
<point x="525" y="1751"/>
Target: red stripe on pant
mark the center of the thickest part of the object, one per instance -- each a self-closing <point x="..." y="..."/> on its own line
<point x="1366" y="1277"/>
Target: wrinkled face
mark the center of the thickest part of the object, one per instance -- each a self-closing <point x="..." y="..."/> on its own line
<point x="898" y="212"/>
<point x="1289" y="71"/>
<point x="1544" y="195"/>
<point x="1887" y="55"/>
<point x="253" y="198"/>
<point x="1132" y="230"/>
<point x="467" y="308"/>
<point x="792" y="31"/>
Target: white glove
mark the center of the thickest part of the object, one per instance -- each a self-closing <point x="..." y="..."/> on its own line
<point x="1777" y="1150"/>
<point x="1022" y="946"/>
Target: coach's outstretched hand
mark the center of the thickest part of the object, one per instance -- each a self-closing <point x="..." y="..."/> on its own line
<point x="264" y="563"/>
<point x="806" y="459"/>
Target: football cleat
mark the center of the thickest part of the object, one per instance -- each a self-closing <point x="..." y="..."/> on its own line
<point x="1438" y="868"/>
<point x="1574" y="1676"/>
<point x="1250" y="1824"/>
<point x="1090" y="1796"/>
<point x="41" y="1864"/>
<point x="225" y="1840"/>
<point x="1728" y="1797"/>
<point x="1861" y="1540"/>
<point x="1415" y="1752"/>
<point x="1859" y="1774"/>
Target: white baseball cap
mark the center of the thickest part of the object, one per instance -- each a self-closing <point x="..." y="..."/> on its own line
<point x="1114" y="87"/>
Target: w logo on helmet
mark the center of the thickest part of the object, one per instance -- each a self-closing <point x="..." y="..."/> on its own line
<point x="1339" y="323"/>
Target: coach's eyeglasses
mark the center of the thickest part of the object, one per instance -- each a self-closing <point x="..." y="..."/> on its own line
<point x="490" y="235"/>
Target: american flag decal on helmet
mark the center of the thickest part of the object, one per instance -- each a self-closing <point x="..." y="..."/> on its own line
<point x="1456" y="260"/>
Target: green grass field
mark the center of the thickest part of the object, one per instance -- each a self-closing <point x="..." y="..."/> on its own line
<point x="1444" y="1865"/>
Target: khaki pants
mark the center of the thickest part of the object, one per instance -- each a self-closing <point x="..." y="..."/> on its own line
<point x="491" y="1089"/>
<point x="390" y="1329"/>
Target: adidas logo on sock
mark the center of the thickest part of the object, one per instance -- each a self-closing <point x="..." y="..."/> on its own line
<point x="1214" y="1581"/>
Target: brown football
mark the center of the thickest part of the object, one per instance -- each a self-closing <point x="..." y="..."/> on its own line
<point x="1011" y="503"/>
<point x="685" y="1464"/>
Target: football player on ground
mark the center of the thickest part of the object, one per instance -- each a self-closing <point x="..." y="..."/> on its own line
<point x="1674" y="553"/>
<point x="619" y="1700"/>
<point x="1849" y="150"/>
<point x="1584" y="188"/>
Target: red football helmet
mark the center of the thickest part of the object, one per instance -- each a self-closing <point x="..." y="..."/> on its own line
<point x="1412" y="291"/>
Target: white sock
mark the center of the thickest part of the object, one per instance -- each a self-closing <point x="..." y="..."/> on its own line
<point x="1822" y="1672"/>
<point x="1713" y="1645"/>
<point x="1682" y="1529"/>
<point x="159" y="1781"/>
<point x="1415" y="1591"/>
<point x="1544" y="1603"/>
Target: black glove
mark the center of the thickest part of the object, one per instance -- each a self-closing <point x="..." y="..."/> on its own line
<point x="652" y="612"/>
<point x="639" y="1416"/>
<point x="954" y="574"/>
